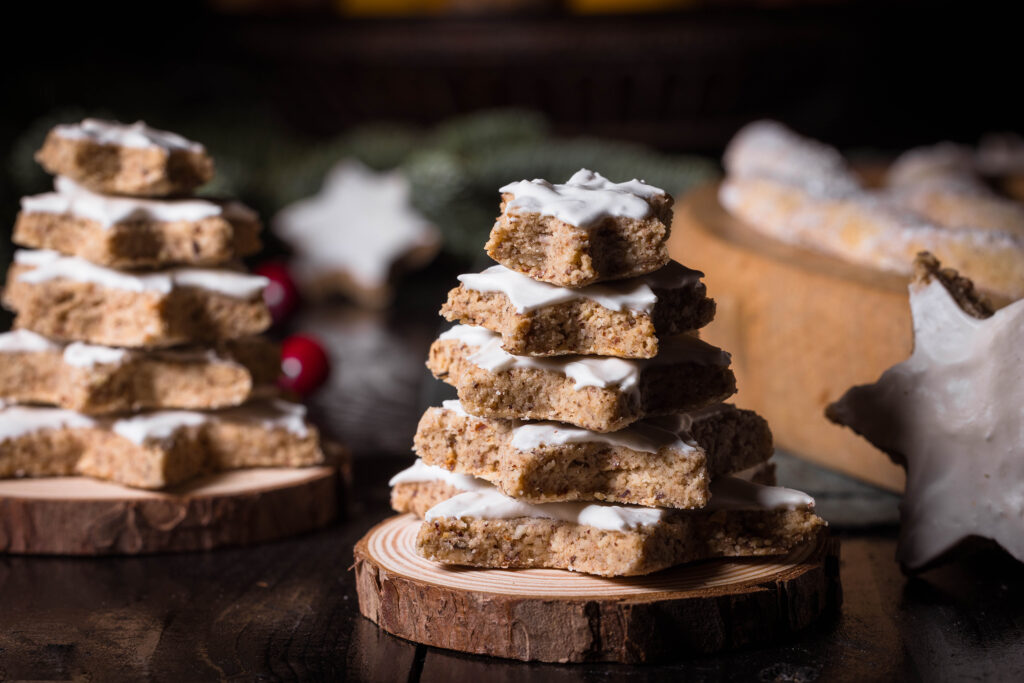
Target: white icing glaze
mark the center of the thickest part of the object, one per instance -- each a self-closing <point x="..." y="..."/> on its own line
<point x="25" y="341"/>
<point x="72" y="199"/>
<point x="645" y="438"/>
<point x="272" y="414"/>
<point x="81" y="355"/>
<point x="136" y="134"/>
<point x="420" y="472"/>
<point x="49" y="265"/>
<point x="455" y="406"/>
<point x="162" y="424"/>
<point x="17" y="421"/>
<point x="733" y="493"/>
<point x="490" y="504"/>
<point x="585" y="199"/>
<point x="157" y="425"/>
<point x="527" y="294"/>
<point x="952" y="413"/>
<point x="584" y="371"/>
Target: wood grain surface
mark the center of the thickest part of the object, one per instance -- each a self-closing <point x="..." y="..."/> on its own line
<point x="802" y="328"/>
<point x="552" y="615"/>
<point x="287" y="610"/>
<point x="82" y="516"/>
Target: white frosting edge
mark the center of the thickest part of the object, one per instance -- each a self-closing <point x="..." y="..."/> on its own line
<point x="136" y="134"/>
<point x="49" y="265"/>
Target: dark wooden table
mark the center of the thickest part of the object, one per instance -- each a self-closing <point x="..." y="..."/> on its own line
<point x="287" y="610"/>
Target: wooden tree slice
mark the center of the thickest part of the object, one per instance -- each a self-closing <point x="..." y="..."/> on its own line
<point x="82" y="516"/>
<point x="802" y="328"/>
<point x="560" y="616"/>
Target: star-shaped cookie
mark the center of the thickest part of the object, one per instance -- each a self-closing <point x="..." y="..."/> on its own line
<point x="953" y="415"/>
<point x="354" y="234"/>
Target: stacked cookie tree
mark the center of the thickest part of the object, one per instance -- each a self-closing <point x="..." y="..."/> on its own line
<point x="135" y="359"/>
<point x="589" y="433"/>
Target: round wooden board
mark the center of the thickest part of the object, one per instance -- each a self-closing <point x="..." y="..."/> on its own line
<point x="553" y="615"/>
<point x="82" y="516"/>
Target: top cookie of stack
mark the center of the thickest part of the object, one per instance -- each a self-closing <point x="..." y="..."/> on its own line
<point x="70" y="290"/>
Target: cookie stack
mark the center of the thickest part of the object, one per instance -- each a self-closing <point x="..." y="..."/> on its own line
<point x="134" y="359"/>
<point x="589" y="433"/>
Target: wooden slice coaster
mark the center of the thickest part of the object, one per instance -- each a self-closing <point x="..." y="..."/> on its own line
<point x="82" y="516"/>
<point x="559" y="616"/>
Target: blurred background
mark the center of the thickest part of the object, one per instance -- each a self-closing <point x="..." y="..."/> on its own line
<point x="462" y="96"/>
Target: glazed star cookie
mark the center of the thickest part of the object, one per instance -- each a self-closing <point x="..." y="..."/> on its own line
<point x="951" y="415"/>
<point x="158" y="449"/>
<point x="70" y="299"/>
<point x="480" y="527"/>
<point x="102" y="379"/>
<point x="584" y="231"/>
<point x="131" y="232"/>
<point x="117" y="158"/>
<point x="600" y="394"/>
<point x="666" y="463"/>
<point x="356" y="234"/>
<point x="624" y="319"/>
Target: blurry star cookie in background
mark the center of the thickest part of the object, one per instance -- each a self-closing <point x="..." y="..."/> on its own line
<point x="356" y="235"/>
<point x="951" y="415"/>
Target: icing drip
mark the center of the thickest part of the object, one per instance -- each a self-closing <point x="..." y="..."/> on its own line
<point x="162" y="424"/>
<point x="733" y="493"/>
<point x="49" y="265"/>
<point x="490" y="504"/>
<point x="72" y="199"/>
<point x="455" y="406"/>
<point x="587" y="198"/>
<point x="421" y="472"/>
<point x="25" y="341"/>
<point x="17" y="421"/>
<point x="272" y="414"/>
<point x="584" y="371"/>
<point x="645" y="438"/>
<point x="137" y="134"/>
<point x="158" y="425"/>
<point x="527" y="294"/>
<point x="81" y="355"/>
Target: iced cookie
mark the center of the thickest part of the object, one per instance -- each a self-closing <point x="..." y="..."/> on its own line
<point x="117" y="158"/>
<point x="157" y="449"/>
<point x="102" y="379"/>
<point x="584" y="231"/>
<point x="129" y="232"/>
<point x="601" y="394"/>
<point x="70" y="299"/>
<point x="484" y="528"/>
<point x="653" y="462"/>
<point x="624" y="319"/>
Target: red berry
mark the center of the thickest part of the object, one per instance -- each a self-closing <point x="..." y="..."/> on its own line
<point x="304" y="364"/>
<point x="281" y="295"/>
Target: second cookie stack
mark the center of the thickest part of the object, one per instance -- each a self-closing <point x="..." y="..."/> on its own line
<point x="135" y="359"/>
<point x="589" y="433"/>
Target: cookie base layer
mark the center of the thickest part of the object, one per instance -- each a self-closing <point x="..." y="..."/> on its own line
<point x="140" y="244"/>
<point x="115" y="169"/>
<point x="557" y="616"/>
<point x="581" y="326"/>
<point x="530" y="393"/>
<point x="81" y="516"/>
<point x="676" y="475"/>
<point x="67" y="310"/>
<point x="228" y="440"/>
<point x="157" y="380"/>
